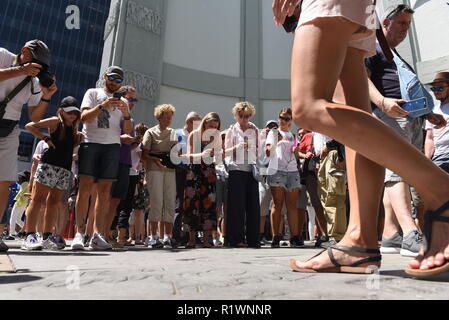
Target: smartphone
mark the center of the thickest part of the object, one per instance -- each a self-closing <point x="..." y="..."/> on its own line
<point x="290" y="24"/>
<point x="117" y="95"/>
<point x="416" y="108"/>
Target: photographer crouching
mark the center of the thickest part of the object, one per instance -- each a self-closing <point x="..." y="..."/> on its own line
<point x="24" y="80"/>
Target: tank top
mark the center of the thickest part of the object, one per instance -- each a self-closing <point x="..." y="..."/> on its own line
<point x="61" y="155"/>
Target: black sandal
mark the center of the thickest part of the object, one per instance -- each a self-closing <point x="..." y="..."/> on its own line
<point x="429" y="218"/>
<point x="352" y="268"/>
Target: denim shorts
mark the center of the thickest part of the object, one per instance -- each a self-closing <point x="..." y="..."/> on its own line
<point x="99" y="161"/>
<point x="287" y="180"/>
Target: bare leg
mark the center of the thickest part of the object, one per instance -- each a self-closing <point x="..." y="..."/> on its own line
<point x="37" y="203"/>
<point x="63" y="214"/>
<point x="399" y="194"/>
<point x="51" y="210"/>
<point x="312" y="88"/>
<point x="391" y="225"/>
<point x="291" y="199"/>
<point x="276" y="213"/>
<point x="82" y="203"/>
<point x="102" y="207"/>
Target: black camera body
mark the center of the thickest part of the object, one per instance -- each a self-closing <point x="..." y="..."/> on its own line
<point x="45" y="76"/>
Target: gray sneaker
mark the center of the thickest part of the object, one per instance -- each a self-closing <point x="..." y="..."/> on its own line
<point x="391" y="245"/>
<point x="412" y="244"/>
<point x="50" y="244"/>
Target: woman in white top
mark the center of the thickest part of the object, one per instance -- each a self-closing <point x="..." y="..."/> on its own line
<point x="283" y="178"/>
<point x="243" y="219"/>
<point x="332" y="39"/>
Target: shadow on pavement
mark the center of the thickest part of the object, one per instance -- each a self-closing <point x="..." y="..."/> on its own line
<point x="401" y="273"/>
<point x="56" y="253"/>
<point x="18" y="279"/>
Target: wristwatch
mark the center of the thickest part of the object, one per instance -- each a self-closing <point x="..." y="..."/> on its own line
<point x="101" y="107"/>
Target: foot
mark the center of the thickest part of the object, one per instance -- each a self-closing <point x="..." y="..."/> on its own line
<point x="438" y="253"/>
<point x="344" y="258"/>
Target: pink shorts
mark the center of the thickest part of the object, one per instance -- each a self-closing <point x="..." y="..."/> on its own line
<point x="361" y="12"/>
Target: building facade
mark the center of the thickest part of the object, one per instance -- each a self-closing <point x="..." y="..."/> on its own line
<point x="73" y="30"/>
<point x="206" y="55"/>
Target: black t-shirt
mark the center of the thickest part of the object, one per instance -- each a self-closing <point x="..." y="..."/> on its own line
<point x="384" y="74"/>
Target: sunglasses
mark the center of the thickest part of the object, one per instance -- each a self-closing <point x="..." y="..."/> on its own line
<point x="245" y="116"/>
<point x="133" y="100"/>
<point x="285" y="119"/>
<point x="438" y="89"/>
<point x="117" y="80"/>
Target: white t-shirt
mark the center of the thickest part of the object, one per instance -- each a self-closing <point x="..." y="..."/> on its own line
<point x="41" y="147"/>
<point x="319" y="142"/>
<point x="440" y="136"/>
<point x="135" y="161"/>
<point x="286" y="160"/>
<point x="25" y="96"/>
<point x="104" y="129"/>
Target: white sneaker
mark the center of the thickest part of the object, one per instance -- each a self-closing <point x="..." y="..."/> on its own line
<point x="218" y="243"/>
<point x="98" y="242"/>
<point x="31" y="243"/>
<point x="78" y="242"/>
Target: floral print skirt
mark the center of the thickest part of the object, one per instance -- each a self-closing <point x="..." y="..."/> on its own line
<point x="200" y="212"/>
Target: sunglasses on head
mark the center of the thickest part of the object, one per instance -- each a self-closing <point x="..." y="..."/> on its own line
<point x="133" y="100"/>
<point x="117" y="80"/>
<point x="285" y="119"/>
<point x="398" y="9"/>
<point x="438" y="89"/>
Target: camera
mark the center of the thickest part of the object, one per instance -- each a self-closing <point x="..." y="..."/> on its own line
<point x="45" y="77"/>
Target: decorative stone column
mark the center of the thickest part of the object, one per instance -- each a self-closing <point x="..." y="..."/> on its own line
<point x="134" y="34"/>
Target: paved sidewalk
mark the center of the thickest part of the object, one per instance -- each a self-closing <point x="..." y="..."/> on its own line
<point x="217" y="274"/>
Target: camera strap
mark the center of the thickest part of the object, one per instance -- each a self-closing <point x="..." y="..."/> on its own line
<point x="11" y="96"/>
<point x="383" y="41"/>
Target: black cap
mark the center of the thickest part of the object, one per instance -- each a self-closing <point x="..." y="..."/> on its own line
<point x="114" y="70"/>
<point x="69" y="104"/>
<point x="39" y="50"/>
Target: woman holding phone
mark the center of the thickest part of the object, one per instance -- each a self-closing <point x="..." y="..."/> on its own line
<point x="330" y="95"/>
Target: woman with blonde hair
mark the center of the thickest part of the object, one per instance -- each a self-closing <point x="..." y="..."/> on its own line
<point x="160" y="175"/>
<point x="243" y="219"/>
<point x="200" y="197"/>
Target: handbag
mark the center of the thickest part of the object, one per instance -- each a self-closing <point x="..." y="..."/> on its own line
<point x="7" y="126"/>
<point x="165" y="159"/>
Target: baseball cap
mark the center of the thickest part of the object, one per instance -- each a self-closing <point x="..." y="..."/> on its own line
<point x="69" y="104"/>
<point x="114" y="70"/>
<point x="39" y="50"/>
<point x="272" y="122"/>
<point x="193" y="115"/>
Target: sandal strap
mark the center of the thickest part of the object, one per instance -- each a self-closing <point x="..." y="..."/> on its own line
<point x="371" y="259"/>
<point x="354" y="249"/>
<point x="429" y="218"/>
<point x="355" y="264"/>
<point x="332" y="258"/>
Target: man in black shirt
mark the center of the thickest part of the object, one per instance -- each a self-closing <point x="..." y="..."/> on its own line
<point x="400" y="233"/>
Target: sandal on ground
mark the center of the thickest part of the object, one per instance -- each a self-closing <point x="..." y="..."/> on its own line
<point x="352" y="268"/>
<point x="429" y="218"/>
<point x="190" y="246"/>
